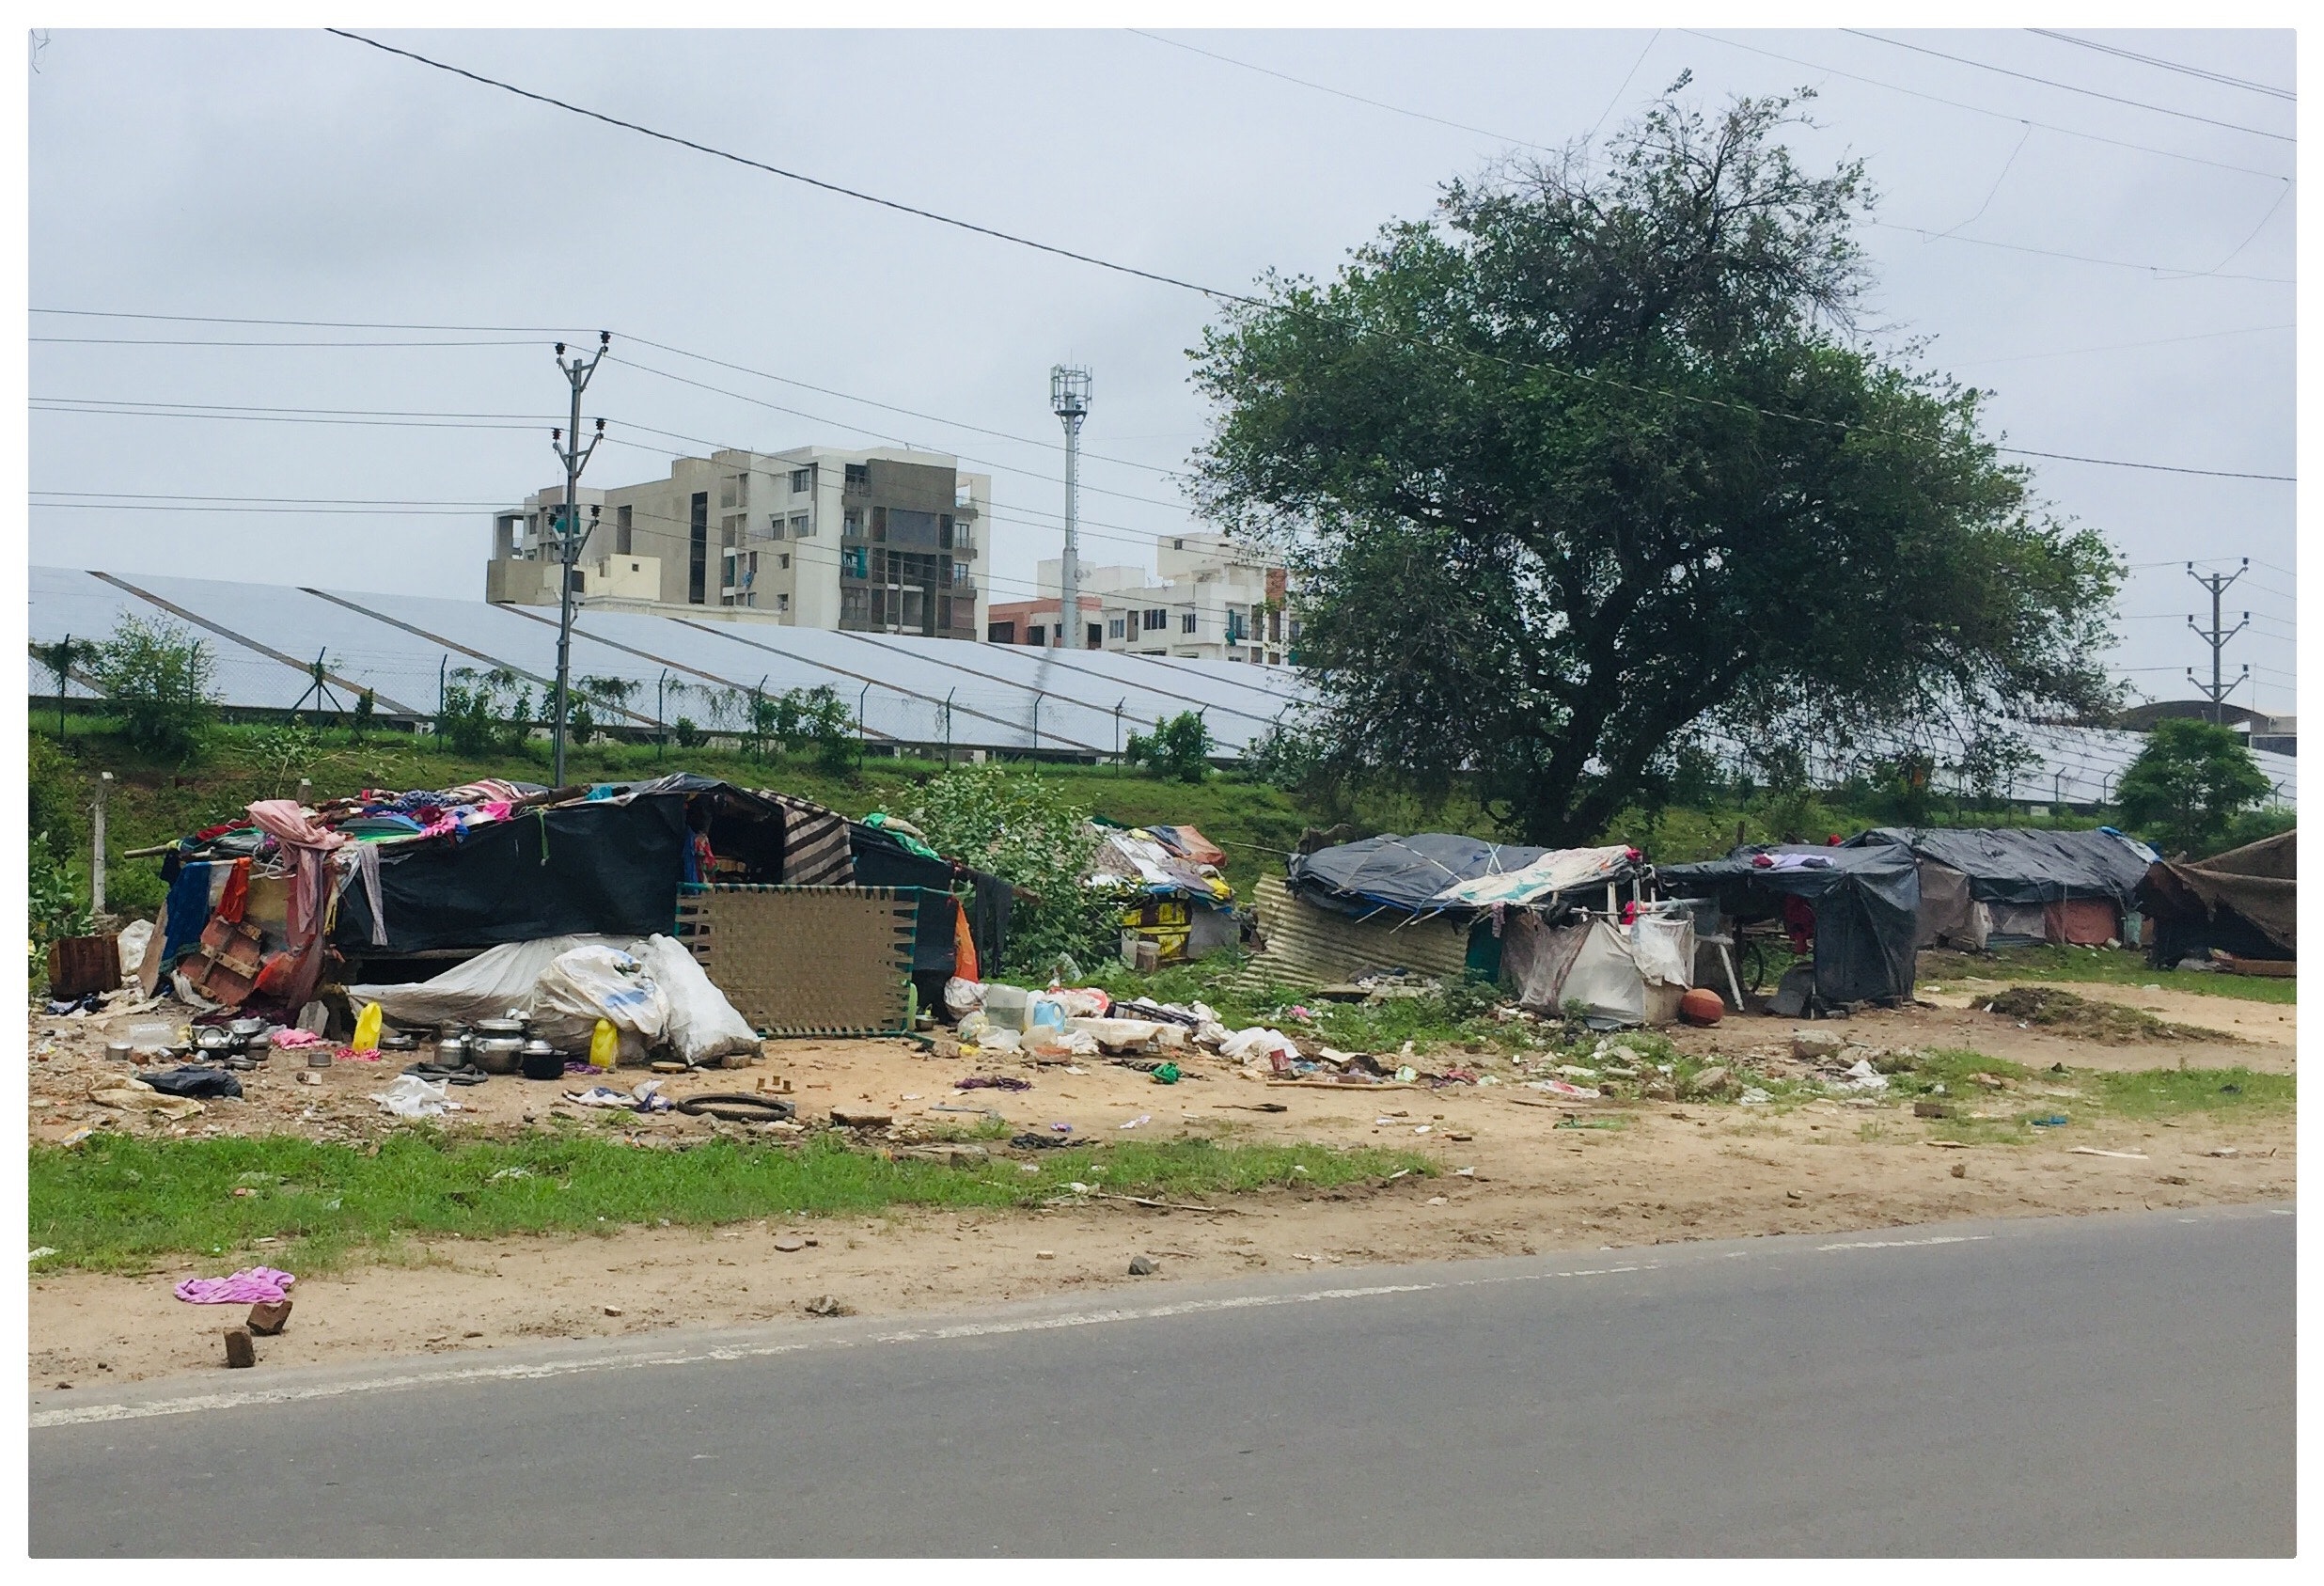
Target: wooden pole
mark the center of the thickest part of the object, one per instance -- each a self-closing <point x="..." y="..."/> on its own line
<point x="97" y="844"/>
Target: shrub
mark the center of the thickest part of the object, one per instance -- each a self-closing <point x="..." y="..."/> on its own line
<point x="1179" y="748"/>
<point x="2191" y="780"/>
<point x="1023" y="828"/>
<point x="484" y="712"/>
<point x="159" y="676"/>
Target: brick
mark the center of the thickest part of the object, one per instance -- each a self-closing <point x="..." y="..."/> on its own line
<point x="270" y="1317"/>
<point x="240" y="1351"/>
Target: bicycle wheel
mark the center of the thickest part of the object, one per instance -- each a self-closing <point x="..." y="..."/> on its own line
<point x="1755" y="965"/>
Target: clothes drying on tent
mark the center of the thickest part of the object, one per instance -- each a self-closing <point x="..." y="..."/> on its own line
<point x="1866" y="902"/>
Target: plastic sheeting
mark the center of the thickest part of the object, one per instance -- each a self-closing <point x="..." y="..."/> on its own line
<point x="1559" y="870"/>
<point x="2020" y="865"/>
<point x="1603" y="966"/>
<point x="1400" y="872"/>
<point x="1866" y="899"/>
<point x="2244" y="901"/>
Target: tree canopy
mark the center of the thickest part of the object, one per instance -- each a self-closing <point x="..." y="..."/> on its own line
<point x="2189" y="783"/>
<point x="1596" y="463"/>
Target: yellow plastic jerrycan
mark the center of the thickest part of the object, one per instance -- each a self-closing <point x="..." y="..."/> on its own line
<point x="604" y="1045"/>
<point x="367" y="1029"/>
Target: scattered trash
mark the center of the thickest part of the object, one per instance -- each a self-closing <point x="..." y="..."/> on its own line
<point x="2094" y="1151"/>
<point x="825" y="1304"/>
<point x="612" y="1309"/>
<point x="990" y="1082"/>
<point x="44" y="1251"/>
<point x="1166" y="1075"/>
<point x="2055" y="1120"/>
<point x="410" y="1096"/>
<point x="1144" y="1266"/>
<point x="1753" y="1096"/>
<point x="1044" y="1255"/>
<point x="1141" y="1117"/>
<point x="1029" y="1141"/>
<point x="1564" y="1088"/>
<point x="789" y="1241"/>
<point x="2224" y="1151"/>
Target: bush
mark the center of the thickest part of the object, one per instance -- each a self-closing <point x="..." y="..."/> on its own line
<point x="486" y="711"/>
<point x="159" y="676"/>
<point x="55" y="904"/>
<point x="1024" y="829"/>
<point x="1179" y="748"/>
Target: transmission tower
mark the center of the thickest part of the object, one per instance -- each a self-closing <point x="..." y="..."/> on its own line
<point x="2217" y="637"/>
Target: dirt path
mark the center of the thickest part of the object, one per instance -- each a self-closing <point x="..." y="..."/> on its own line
<point x="1533" y="1182"/>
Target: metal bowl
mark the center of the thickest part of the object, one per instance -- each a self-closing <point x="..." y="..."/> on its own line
<point x="501" y="1027"/>
<point x="213" y="1038"/>
<point x="243" y="1029"/>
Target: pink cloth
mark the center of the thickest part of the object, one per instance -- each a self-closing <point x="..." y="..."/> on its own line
<point x="255" y="1285"/>
<point x="287" y="820"/>
<point x="297" y="1038"/>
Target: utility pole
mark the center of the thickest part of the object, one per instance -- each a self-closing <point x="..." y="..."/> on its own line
<point x="1069" y="398"/>
<point x="2218" y="584"/>
<point x="97" y="851"/>
<point x="569" y="531"/>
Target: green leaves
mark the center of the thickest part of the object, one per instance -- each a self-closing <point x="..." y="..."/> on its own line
<point x="2190" y="781"/>
<point x="159" y="676"/>
<point x="1590" y="463"/>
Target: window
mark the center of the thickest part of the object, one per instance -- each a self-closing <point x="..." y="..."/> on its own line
<point x="622" y="545"/>
<point x="1114" y="626"/>
<point x="859" y="475"/>
<point x="730" y="529"/>
<point x="1185" y="622"/>
<point x="944" y="613"/>
<point x="959" y="572"/>
<point x="1274" y="627"/>
<point x="944" y="532"/>
<point x="698" y="549"/>
<point x="1294" y="634"/>
<point x="851" y="524"/>
<point x="726" y="493"/>
<point x="852" y="561"/>
<point x="1000" y="632"/>
<point x="1097" y="637"/>
<point x="782" y="603"/>
<point x="783" y="562"/>
<point x="1155" y="622"/>
<point x="775" y="526"/>
<point x="799" y="478"/>
<point x="1178" y="544"/>
<point x="802" y="526"/>
<point x="879" y="526"/>
<point x="1037" y="635"/>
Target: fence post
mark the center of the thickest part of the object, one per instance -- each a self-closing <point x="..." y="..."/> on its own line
<point x="97" y="844"/>
<point x="1119" y="706"/>
<point x="862" y="732"/>
<point x="1036" y="724"/>
<point x="948" y="727"/>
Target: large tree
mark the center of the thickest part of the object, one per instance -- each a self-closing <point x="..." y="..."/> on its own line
<point x="1597" y="462"/>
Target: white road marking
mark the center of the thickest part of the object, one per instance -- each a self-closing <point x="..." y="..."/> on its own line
<point x="1903" y="1243"/>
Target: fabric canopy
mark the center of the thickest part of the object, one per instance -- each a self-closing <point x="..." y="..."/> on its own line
<point x="2017" y="865"/>
<point x="2243" y="902"/>
<point x="1558" y="871"/>
<point x="1867" y="902"/>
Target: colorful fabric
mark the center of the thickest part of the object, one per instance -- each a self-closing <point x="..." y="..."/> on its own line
<point x="236" y="894"/>
<point x="253" y="1286"/>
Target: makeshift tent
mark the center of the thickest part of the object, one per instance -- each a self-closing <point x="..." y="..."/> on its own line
<point x="1186" y="908"/>
<point x="1619" y="974"/>
<point x="1982" y="886"/>
<point x="2242" y="903"/>
<point x="887" y="852"/>
<point x="1866" y="902"/>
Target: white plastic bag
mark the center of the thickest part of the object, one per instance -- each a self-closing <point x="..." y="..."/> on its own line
<point x="136" y="937"/>
<point x="962" y="998"/>
<point x="701" y="1024"/>
<point x="585" y="984"/>
<point x="1257" y="1041"/>
<point x="487" y="986"/>
<point x="410" y="1096"/>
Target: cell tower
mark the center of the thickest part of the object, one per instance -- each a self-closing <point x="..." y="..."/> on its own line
<point x="1069" y="398"/>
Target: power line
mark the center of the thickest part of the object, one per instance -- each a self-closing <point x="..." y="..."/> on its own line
<point x="1982" y="110"/>
<point x="2206" y="74"/>
<point x="2069" y="88"/>
<point x="1219" y="293"/>
<point x="164" y="341"/>
<point x="1342" y="93"/>
<point x="2160" y="271"/>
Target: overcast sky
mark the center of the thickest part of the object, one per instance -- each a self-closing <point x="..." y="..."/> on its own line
<point x="298" y="176"/>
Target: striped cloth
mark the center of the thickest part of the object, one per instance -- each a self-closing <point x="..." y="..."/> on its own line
<point x="815" y="845"/>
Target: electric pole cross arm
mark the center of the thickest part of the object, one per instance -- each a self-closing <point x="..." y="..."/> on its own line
<point x="2217" y="637"/>
<point x="570" y="535"/>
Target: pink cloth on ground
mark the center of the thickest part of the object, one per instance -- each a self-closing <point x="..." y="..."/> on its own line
<point x="296" y="1037"/>
<point x="255" y="1285"/>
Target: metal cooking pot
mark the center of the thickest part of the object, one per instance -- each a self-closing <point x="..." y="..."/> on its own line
<point x="244" y="1028"/>
<point x="211" y="1038"/>
<point x="496" y="1054"/>
<point x="540" y="1060"/>
<point x="501" y="1027"/>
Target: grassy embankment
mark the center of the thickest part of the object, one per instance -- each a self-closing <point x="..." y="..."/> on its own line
<point x="2102" y="965"/>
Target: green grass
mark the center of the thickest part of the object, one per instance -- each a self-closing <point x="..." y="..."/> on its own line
<point x="115" y="1204"/>
<point x="2095" y="1096"/>
<point x="2169" y="1092"/>
<point x="2106" y="965"/>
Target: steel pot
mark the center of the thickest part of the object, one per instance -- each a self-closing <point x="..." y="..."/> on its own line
<point x="501" y="1027"/>
<point x="496" y="1054"/>
<point x="212" y="1038"/>
<point x="246" y="1029"/>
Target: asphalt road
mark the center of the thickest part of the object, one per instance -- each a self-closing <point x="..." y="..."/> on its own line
<point x="2111" y="1385"/>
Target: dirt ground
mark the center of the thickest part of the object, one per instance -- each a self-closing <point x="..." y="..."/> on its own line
<point x="1516" y="1175"/>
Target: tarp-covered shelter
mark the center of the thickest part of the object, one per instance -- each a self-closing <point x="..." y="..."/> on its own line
<point x="2242" y="903"/>
<point x="1865" y="901"/>
<point x="1557" y="925"/>
<point x="2000" y="886"/>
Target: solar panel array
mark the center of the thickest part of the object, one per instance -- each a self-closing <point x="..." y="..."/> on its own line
<point x="906" y="690"/>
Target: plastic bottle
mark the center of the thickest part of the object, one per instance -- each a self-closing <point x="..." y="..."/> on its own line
<point x="367" y="1029"/>
<point x="604" y="1045"/>
<point x="1045" y="1009"/>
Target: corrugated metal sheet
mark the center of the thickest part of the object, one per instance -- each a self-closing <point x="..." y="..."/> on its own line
<point x="1309" y="945"/>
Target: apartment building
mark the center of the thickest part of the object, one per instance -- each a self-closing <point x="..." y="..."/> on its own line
<point x="871" y="541"/>
<point x="1207" y="600"/>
